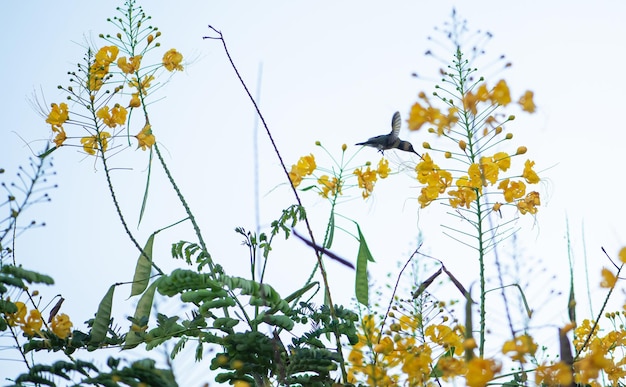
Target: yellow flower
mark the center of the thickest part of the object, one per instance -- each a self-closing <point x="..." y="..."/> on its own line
<point x="464" y="196"/>
<point x="60" y="138"/>
<point x="61" y="325"/>
<point x="503" y="160"/>
<point x="383" y="168"/>
<point x="446" y="337"/>
<point x="366" y="180"/>
<point x="295" y="177"/>
<point x="172" y="59"/>
<point x="143" y="85"/>
<point x="528" y="174"/>
<point x="608" y="278"/>
<point x="145" y="138"/>
<point x="481" y="371"/>
<point x="329" y="186"/>
<point x="135" y="102"/>
<point x="17" y="318"/>
<point x="527" y="103"/>
<point x="117" y="115"/>
<point x="500" y="94"/>
<point x="515" y="190"/>
<point x="33" y="323"/>
<point x="58" y="115"/>
<point x="529" y="203"/>
<point x="385" y="346"/>
<point x="106" y="55"/>
<point x="475" y="177"/>
<point x="129" y="66"/>
<point x="520" y="346"/>
<point x="558" y="374"/>
<point x="305" y="166"/>
<point x="92" y="143"/>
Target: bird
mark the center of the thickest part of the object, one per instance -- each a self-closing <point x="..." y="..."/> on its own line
<point x="391" y="140"/>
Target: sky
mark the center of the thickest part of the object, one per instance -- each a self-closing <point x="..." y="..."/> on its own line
<point x="332" y="72"/>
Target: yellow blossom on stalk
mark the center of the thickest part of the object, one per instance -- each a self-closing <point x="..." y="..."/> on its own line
<point x="117" y="115"/>
<point x="145" y="138"/>
<point x="520" y="347"/>
<point x="528" y="174"/>
<point x="58" y="115"/>
<point x="383" y="168"/>
<point x="135" y="102"/>
<point x="385" y="346"/>
<point x="61" y="325"/>
<point x="329" y="186"/>
<point x="130" y="65"/>
<point x="503" y="160"/>
<point x="464" y="196"/>
<point x="366" y="180"/>
<point x="92" y="143"/>
<point x="526" y="101"/>
<point x="305" y="166"/>
<point x="60" y="138"/>
<point x="529" y="203"/>
<point x="106" y="55"/>
<point x="589" y="366"/>
<point x="172" y="59"/>
<point x="471" y="100"/>
<point x="19" y="317"/>
<point x="143" y="85"/>
<point x="446" y="337"/>
<point x="33" y="323"/>
<point x="451" y="367"/>
<point x="515" y="190"/>
<point x="608" y="278"/>
<point x="481" y="371"/>
<point x="475" y="178"/>
<point x="558" y="374"/>
<point x="500" y="94"/>
<point x="417" y="365"/>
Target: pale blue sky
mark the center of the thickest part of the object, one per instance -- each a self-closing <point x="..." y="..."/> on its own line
<point x="333" y="72"/>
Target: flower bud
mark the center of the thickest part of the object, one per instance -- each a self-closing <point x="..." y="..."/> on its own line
<point x="498" y="130"/>
<point x="511" y="117"/>
<point x="521" y="150"/>
<point x="447" y="155"/>
<point x="462" y="145"/>
<point x="344" y="147"/>
<point x="426" y="145"/>
<point x="318" y="143"/>
<point x="509" y="136"/>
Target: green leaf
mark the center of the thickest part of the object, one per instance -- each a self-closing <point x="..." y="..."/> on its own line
<point x="360" y="284"/>
<point x="103" y="318"/>
<point x="144" y="306"/>
<point x="143" y="268"/>
<point x="331" y="231"/>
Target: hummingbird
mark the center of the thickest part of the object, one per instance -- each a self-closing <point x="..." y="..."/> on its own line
<point x="391" y="140"/>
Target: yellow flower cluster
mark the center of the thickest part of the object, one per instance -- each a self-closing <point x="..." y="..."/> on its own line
<point x="396" y="357"/>
<point x="97" y="75"/>
<point x="31" y="324"/>
<point x="485" y="172"/>
<point x="421" y="115"/>
<point x="367" y="179"/>
<point x="333" y="186"/>
<point x="603" y="354"/>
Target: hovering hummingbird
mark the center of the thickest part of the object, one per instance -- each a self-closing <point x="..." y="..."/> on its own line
<point x="391" y="140"/>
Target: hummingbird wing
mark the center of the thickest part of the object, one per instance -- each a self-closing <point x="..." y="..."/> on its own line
<point x="396" y="122"/>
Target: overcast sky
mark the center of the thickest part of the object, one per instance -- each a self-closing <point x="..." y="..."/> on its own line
<point x="333" y="72"/>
